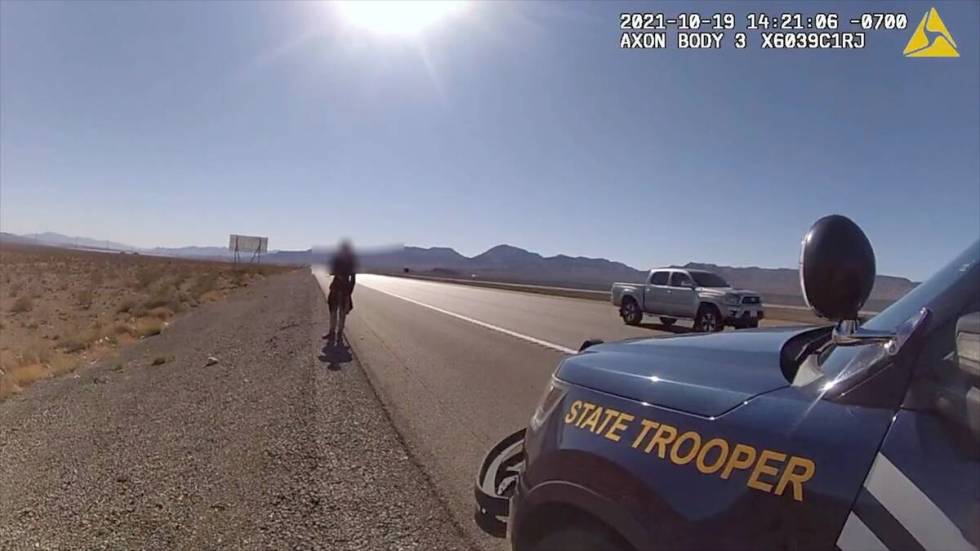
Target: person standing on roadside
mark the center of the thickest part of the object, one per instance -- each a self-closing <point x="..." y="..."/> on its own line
<point x="343" y="267"/>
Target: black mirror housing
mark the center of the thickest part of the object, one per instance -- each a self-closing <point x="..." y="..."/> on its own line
<point x="837" y="268"/>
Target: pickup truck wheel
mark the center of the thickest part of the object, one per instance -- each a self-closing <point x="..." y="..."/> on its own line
<point x="630" y="312"/>
<point x="708" y="319"/>
<point x="667" y="322"/>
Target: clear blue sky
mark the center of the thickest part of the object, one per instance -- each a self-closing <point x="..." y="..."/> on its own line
<point x="178" y="123"/>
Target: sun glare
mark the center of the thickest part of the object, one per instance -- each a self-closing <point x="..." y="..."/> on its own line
<point x="397" y="17"/>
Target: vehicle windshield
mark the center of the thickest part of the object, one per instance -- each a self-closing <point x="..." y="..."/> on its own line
<point x="708" y="279"/>
<point x="938" y="293"/>
<point x="944" y="294"/>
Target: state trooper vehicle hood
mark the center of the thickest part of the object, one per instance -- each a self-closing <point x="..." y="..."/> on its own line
<point x="706" y="375"/>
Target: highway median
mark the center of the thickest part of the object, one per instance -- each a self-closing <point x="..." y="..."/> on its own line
<point x="783" y="312"/>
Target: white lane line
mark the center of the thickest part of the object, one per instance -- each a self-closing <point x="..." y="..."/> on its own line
<point x="528" y="338"/>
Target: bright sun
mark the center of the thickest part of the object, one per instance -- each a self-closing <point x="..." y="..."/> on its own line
<point x="397" y="17"/>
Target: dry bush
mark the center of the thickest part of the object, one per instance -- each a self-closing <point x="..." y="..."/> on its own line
<point x="185" y="300"/>
<point x="8" y="361"/>
<point x="7" y="388"/>
<point x="126" y="306"/>
<point x="79" y="341"/>
<point x="84" y="299"/>
<point x="27" y="374"/>
<point x="180" y="276"/>
<point x="35" y="353"/>
<point x="107" y="339"/>
<point x="72" y="344"/>
<point x="203" y="283"/>
<point x="35" y="364"/>
<point x="163" y="297"/>
<point x="22" y="304"/>
<point x="162" y="313"/>
<point x="238" y="278"/>
<point x="211" y="296"/>
<point x="62" y="364"/>
<point x="264" y="270"/>
<point x="120" y="328"/>
<point x="147" y="327"/>
<point x="146" y="276"/>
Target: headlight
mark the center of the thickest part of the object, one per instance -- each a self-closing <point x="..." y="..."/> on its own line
<point x="732" y="299"/>
<point x="552" y="397"/>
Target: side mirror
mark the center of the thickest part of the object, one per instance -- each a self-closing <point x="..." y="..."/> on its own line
<point x="837" y="272"/>
<point x="837" y="268"/>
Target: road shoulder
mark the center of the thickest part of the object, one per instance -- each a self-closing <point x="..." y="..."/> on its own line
<point x="384" y="496"/>
<point x="267" y="448"/>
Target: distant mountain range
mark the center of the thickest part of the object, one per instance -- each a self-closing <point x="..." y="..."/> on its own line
<point x="509" y="263"/>
<point x="782" y="285"/>
<point x="513" y="263"/>
<point x="502" y="263"/>
<point x="59" y="240"/>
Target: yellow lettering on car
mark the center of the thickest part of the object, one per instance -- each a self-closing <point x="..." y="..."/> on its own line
<point x="665" y="435"/>
<point x="647" y="425"/>
<point x="622" y="423"/>
<point x="742" y="458"/>
<point x="586" y="408"/>
<point x="610" y="413"/>
<point x="765" y="470"/>
<point x="590" y="423"/>
<point x="683" y="458"/>
<point x="792" y="476"/>
<point x="702" y="463"/>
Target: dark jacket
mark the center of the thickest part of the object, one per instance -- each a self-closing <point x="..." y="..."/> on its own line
<point x="343" y="268"/>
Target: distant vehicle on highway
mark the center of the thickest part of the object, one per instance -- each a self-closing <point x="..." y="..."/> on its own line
<point x="698" y="295"/>
<point x="852" y="436"/>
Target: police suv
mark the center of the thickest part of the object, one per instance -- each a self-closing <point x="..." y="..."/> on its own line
<point x="856" y="436"/>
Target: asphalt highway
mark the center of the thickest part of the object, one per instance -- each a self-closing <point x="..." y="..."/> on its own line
<point x="459" y="367"/>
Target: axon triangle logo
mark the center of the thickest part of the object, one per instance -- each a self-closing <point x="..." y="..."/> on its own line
<point x="931" y="38"/>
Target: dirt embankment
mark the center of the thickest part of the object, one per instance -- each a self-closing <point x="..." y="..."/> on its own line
<point x="267" y="448"/>
<point x="62" y="308"/>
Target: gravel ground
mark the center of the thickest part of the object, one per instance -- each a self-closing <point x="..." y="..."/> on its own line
<point x="279" y="445"/>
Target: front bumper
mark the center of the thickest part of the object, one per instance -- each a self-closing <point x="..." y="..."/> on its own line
<point x="496" y="482"/>
<point x="743" y="314"/>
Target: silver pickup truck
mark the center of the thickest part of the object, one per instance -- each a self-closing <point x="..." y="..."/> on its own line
<point x="673" y="293"/>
